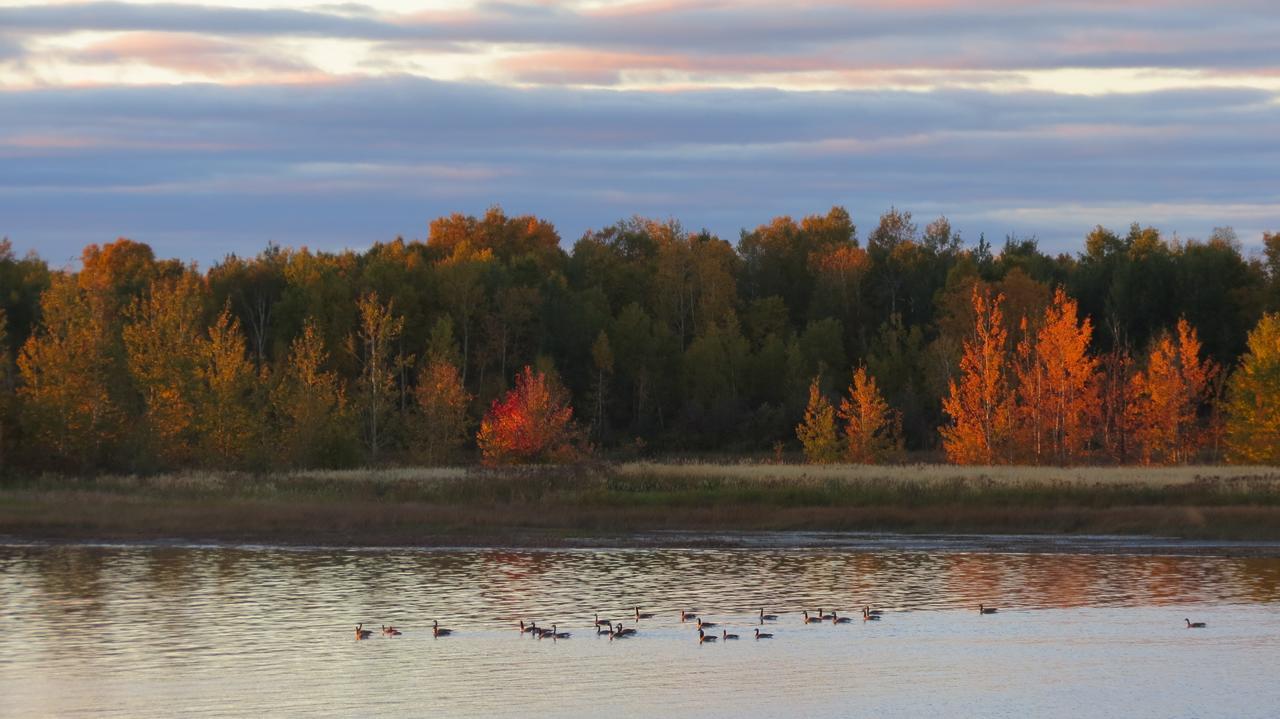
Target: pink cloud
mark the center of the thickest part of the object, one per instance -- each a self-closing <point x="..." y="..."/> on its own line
<point x="192" y="54"/>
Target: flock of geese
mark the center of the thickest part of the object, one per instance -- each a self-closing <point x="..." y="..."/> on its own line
<point x="615" y="630"/>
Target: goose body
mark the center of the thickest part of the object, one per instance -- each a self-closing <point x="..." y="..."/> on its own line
<point x="687" y="616"/>
<point x="839" y="620"/>
<point x="869" y="617"/>
<point x="986" y="610"/>
<point x="559" y="635"/>
<point x="763" y="635"/>
<point x="767" y="617"/>
<point x="362" y="633"/>
<point x="706" y="625"/>
<point x="1195" y="625"/>
<point x="439" y="631"/>
<point x="620" y="631"/>
<point x="705" y="638"/>
<point x="642" y="615"/>
<point x="603" y="622"/>
<point x="724" y="634"/>
<point x="869" y="610"/>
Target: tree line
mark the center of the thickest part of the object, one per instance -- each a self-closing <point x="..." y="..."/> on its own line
<point x="490" y="340"/>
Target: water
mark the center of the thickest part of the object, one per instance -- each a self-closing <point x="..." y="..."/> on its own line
<point x="142" y="631"/>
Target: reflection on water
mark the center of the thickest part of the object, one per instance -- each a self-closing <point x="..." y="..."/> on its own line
<point x="162" y="631"/>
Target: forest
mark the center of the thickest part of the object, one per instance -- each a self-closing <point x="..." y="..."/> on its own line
<point x="490" y="342"/>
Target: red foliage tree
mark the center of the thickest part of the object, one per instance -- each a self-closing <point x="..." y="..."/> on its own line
<point x="532" y="424"/>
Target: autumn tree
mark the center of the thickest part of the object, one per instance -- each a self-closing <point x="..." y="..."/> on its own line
<point x="441" y="420"/>
<point x="65" y="367"/>
<point x="870" y="425"/>
<point x="229" y="418"/>
<point x="1169" y="396"/>
<point x="310" y="406"/>
<point x="374" y="344"/>
<point x="980" y="402"/>
<point x="1253" y="409"/>
<point x="532" y="424"/>
<point x="1056" y="412"/>
<point x="817" y="433"/>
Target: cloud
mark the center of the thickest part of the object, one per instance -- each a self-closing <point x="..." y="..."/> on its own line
<point x="190" y="54"/>
<point x="192" y="168"/>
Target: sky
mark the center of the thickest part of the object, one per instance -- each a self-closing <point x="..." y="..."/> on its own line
<point x="217" y="127"/>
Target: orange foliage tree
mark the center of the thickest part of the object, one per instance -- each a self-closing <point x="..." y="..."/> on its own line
<point x="1056" y="410"/>
<point x="532" y="424"/>
<point x="1168" y="398"/>
<point x="871" y="426"/>
<point x="980" y="405"/>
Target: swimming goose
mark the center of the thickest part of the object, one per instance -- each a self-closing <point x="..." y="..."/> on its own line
<point x="811" y="620"/>
<point x="530" y="628"/>
<point x="986" y="610"/>
<point x="767" y="617"/>
<point x="839" y="620"/>
<point x="362" y="633"/>
<point x="823" y="616"/>
<point x="869" y="610"/>
<point x="644" y="615"/>
<point x="687" y="616"/>
<point x="603" y="622"/>
<point x="869" y="617"/>
<point x="705" y="638"/>
<point x="1195" y="625"/>
<point x="601" y="631"/>
<point x="559" y="635"/>
<point x="390" y="631"/>
<point x="623" y="632"/>
<point x="724" y="634"/>
<point x="763" y="635"/>
<point x="439" y="631"/>
<point x="706" y="625"/>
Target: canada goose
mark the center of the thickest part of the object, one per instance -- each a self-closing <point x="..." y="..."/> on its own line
<point x="601" y="631"/>
<point x="559" y="635"/>
<point x="623" y="632"/>
<point x="1195" y="625"/>
<point x="390" y="631"/>
<point x="687" y="616"/>
<point x="839" y="620"/>
<point x="362" y="633"/>
<point x="811" y="620"/>
<point x="705" y="638"/>
<point x="706" y="625"/>
<point x="767" y="617"/>
<point x="724" y="633"/>
<point x="823" y="616"/>
<point x="603" y="622"/>
<point x="869" y="610"/>
<point x="530" y="628"/>
<point x="439" y="631"/>
<point x="644" y="615"/>
<point x="986" y="610"/>
<point x="763" y="635"/>
<point x="869" y="617"/>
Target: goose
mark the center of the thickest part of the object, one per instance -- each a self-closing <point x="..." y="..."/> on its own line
<point x="869" y="617"/>
<point x="811" y="620"/>
<point x="687" y="616"/>
<point x="530" y="628"/>
<point x="869" y="610"/>
<point x="986" y="610"/>
<point x="439" y="631"/>
<point x="601" y="631"/>
<point x="644" y="615"/>
<point x="362" y="633"/>
<point x="603" y="622"/>
<point x="767" y="617"/>
<point x="763" y="635"/>
<point x="706" y="625"/>
<point x="839" y="620"/>
<point x="544" y="633"/>
<point x="823" y="616"/>
<point x="390" y="631"/>
<point x="623" y="632"/>
<point x="724" y="633"/>
<point x="559" y="635"/>
<point x="1195" y="625"/>
<point x="705" y="638"/>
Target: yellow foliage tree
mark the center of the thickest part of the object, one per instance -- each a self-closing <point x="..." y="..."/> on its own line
<point x="1253" y="404"/>
<point x="229" y="427"/>
<point x="442" y="412"/>
<point x="1057" y="395"/>
<point x="65" y="368"/>
<point x="1168" y="397"/>
<point x="870" y="425"/>
<point x="817" y="433"/>
<point x="310" y="405"/>
<point x="980" y="403"/>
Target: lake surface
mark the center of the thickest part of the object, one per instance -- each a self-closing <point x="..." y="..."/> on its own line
<point x="158" y="631"/>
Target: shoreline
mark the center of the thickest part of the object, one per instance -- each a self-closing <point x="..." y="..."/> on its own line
<point x="647" y="505"/>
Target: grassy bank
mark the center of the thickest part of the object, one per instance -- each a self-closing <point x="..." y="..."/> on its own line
<point x="544" y="505"/>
